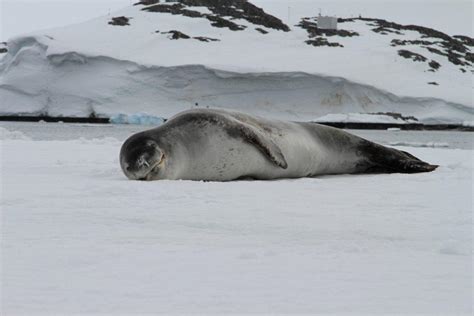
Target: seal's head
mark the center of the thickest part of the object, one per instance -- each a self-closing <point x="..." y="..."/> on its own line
<point x="141" y="158"/>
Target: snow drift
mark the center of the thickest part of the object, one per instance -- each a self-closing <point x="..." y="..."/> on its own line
<point x="85" y="240"/>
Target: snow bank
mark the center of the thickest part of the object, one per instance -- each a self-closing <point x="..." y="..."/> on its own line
<point x="364" y="118"/>
<point x="131" y="88"/>
<point x="99" y="141"/>
<point x="85" y="240"/>
<point x="17" y="135"/>
<point x="417" y="144"/>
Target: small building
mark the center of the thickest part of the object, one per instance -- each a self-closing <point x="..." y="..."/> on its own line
<point x="327" y="22"/>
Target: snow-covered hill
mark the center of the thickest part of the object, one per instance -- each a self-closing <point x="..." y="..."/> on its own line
<point x="160" y="58"/>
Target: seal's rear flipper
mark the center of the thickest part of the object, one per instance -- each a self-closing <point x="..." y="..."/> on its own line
<point x="380" y="159"/>
<point x="402" y="166"/>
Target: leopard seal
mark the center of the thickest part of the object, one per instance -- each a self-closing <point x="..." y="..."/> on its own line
<point x="221" y="145"/>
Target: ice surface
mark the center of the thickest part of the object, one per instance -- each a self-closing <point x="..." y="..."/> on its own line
<point x="6" y="134"/>
<point x="418" y="144"/>
<point x="138" y="118"/>
<point x="363" y="118"/>
<point x="78" y="237"/>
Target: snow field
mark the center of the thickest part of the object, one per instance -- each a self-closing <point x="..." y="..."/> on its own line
<point x="77" y="237"/>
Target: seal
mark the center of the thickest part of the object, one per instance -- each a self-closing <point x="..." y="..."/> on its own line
<point x="220" y="145"/>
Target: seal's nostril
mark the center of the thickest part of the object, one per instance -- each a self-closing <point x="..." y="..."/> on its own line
<point x="143" y="162"/>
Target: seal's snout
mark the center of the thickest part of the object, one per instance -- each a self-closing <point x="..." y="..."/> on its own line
<point x="140" y="158"/>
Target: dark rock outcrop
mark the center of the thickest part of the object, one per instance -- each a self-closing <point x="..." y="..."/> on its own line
<point x="411" y="55"/>
<point x="120" y="20"/>
<point x="236" y="9"/>
<point x="469" y="41"/>
<point x="3" y="48"/>
<point x="434" y="65"/>
<point x="398" y="42"/>
<point x="178" y="35"/>
<point x="397" y="116"/>
<point x="180" y="9"/>
<point x="261" y="30"/>
<point x="240" y="9"/>
<point x="206" y="39"/>
<point x="456" y="48"/>
<point x="321" y="41"/>
<point x="147" y="2"/>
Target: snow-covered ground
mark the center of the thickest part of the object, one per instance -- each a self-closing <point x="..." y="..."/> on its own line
<point x="77" y="237"/>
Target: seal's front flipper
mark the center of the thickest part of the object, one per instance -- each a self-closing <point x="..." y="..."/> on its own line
<point x="381" y="159"/>
<point x="263" y="142"/>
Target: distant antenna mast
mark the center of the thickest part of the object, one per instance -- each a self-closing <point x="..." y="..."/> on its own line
<point x="289" y="12"/>
<point x="319" y="11"/>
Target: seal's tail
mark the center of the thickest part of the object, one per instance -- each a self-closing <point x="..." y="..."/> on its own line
<point x="381" y="159"/>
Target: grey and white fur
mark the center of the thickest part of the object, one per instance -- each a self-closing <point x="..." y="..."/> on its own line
<point x="220" y="145"/>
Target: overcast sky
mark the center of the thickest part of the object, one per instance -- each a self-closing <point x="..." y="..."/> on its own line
<point x="22" y="16"/>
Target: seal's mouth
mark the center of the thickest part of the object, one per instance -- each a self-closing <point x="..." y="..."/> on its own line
<point x="153" y="169"/>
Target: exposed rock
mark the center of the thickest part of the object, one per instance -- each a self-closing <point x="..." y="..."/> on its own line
<point x="433" y="83"/>
<point x="455" y="48"/>
<point x="177" y="35"/>
<point x="411" y="55"/>
<point x="425" y="31"/>
<point x="434" y="65"/>
<point x="321" y="41"/>
<point x="147" y="2"/>
<point x="179" y="9"/>
<point x="469" y="41"/>
<point x="237" y="9"/>
<point x="3" y="50"/>
<point x="397" y="116"/>
<point x="455" y="58"/>
<point x="398" y="42"/>
<point x="240" y="9"/>
<point x="120" y="20"/>
<point x="206" y="39"/>
<point x="469" y="57"/>
<point x="217" y="21"/>
<point x="342" y="20"/>
<point x="261" y="30"/>
<point x="436" y="51"/>
<point x="385" y="31"/>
